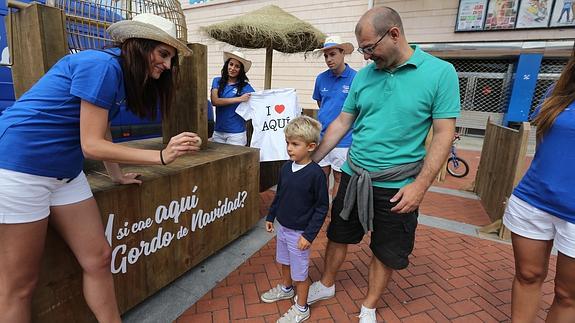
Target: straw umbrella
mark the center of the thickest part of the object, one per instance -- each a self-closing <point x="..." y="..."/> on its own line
<point x="270" y="28"/>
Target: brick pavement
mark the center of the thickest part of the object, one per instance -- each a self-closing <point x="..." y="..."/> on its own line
<point x="451" y="278"/>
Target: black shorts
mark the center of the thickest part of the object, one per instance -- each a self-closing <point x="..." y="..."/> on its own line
<point x="393" y="234"/>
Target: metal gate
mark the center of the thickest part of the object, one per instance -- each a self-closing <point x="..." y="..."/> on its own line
<point x="484" y="85"/>
<point x="548" y="74"/>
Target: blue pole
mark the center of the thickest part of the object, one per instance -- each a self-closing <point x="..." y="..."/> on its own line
<point x="523" y="88"/>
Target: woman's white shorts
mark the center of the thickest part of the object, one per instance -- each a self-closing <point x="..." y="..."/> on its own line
<point x="530" y="222"/>
<point x="238" y="139"/>
<point x="27" y="198"/>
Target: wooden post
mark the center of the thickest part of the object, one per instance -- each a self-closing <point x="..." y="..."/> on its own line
<point x="189" y="111"/>
<point x="269" y="171"/>
<point x="38" y="42"/>
<point x="268" y="71"/>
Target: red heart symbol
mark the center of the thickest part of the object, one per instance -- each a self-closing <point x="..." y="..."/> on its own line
<point x="279" y="108"/>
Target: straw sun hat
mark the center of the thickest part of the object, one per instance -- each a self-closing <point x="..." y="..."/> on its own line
<point x="148" y="26"/>
<point x="240" y="57"/>
<point x="336" y="42"/>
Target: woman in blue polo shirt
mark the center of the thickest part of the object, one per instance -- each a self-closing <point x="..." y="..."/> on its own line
<point x="44" y="137"/>
<point x="541" y="212"/>
<point x="228" y="91"/>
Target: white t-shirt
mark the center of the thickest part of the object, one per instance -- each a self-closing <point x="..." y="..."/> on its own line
<point x="270" y="112"/>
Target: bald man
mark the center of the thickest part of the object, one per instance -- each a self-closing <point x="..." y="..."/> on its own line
<point x="392" y="104"/>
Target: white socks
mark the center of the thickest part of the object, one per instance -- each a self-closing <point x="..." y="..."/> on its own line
<point x="367" y="310"/>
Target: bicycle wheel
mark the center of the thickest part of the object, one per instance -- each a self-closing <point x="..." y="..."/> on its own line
<point x="457" y="167"/>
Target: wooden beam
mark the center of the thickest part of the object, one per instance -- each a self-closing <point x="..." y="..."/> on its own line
<point x="17" y="4"/>
<point x="268" y="71"/>
<point x="190" y="110"/>
<point x="38" y="42"/>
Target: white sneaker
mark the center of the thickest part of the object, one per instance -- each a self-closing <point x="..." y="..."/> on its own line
<point x="294" y="315"/>
<point x="367" y="315"/>
<point x="318" y="292"/>
<point x="275" y="294"/>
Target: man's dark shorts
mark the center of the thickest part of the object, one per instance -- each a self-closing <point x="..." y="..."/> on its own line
<point x="393" y="234"/>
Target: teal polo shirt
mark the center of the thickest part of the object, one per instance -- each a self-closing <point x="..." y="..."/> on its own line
<point x="394" y="111"/>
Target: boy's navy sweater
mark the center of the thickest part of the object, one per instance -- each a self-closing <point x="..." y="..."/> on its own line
<point x="301" y="200"/>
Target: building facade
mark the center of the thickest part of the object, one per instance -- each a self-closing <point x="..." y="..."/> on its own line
<point x="487" y="60"/>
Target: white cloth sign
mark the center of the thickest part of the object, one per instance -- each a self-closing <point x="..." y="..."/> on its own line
<point x="270" y="112"/>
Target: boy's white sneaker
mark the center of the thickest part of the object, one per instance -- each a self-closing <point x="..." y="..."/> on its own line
<point x="294" y="315"/>
<point x="275" y="294"/>
<point x="318" y="292"/>
<point x="367" y="315"/>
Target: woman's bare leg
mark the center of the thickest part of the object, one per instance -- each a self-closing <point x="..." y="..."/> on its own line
<point x="531" y="263"/>
<point x="80" y="225"/>
<point x="563" y="307"/>
<point x="21" y="247"/>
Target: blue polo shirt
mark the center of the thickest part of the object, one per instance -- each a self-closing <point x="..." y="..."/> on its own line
<point x="394" y="111"/>
<point x="40" y="133"/>
<point x="227" y="120"/>
<point x="548" y="183"/>
<point x="332" y="91"/>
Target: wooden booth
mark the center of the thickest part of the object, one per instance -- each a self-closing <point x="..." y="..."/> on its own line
<point x="180" y="215"/>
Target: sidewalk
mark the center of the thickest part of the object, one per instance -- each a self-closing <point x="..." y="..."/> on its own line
<point x="453" y="276"/>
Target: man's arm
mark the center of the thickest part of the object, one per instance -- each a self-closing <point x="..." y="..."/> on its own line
<point x="336" y="130"/>
<point x="411" y="195"/>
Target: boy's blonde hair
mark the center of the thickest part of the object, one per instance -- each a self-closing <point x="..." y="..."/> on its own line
<point x="304" y="128"/>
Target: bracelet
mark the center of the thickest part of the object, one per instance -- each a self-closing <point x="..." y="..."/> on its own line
<point x="162" y="158"/>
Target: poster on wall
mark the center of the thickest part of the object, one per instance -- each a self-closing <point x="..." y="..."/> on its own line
<point x="563" y="14"/>
<point x="534" y="13"/>
<point x="471" y="15"/>
<point x="501" y="14"/>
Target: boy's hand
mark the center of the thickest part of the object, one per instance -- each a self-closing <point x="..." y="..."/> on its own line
<point x="303" y="244"/>
<point x="269" y="226"/>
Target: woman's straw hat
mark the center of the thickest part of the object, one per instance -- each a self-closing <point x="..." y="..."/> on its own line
<point x="148" y="26"/>
<point x="240" y="57"/>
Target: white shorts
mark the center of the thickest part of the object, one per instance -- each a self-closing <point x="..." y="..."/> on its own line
<point x="238" y="139"/>
<point x="27" y="198"/>
<point x="528" y="221"/>
<point x="335" y="159"/>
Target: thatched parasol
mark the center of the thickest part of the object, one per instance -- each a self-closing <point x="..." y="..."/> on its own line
<point x="270" y="28"/>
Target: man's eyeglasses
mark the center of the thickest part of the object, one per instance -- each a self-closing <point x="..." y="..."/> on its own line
<point x="368" y="50"/>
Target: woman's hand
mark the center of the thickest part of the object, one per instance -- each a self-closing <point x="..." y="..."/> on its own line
<point x="128" y="178"/>
<point x="245" y="97"/>
<point x="115" y="173"/>
<point x="182" y="144"/>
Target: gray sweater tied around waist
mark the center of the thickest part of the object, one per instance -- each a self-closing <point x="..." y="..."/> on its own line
<point x="359" y="188"/>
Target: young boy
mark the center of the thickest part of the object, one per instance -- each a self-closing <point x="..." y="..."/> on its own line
<point x="300" y="207"/>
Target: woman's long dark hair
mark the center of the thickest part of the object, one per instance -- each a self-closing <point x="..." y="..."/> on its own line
<point x="242" y="79"/>
<point x="144" y="93"/>
<point x="562" y="95"/>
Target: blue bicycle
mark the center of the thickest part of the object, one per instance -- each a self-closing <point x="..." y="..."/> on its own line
<point x="456" y="166"/>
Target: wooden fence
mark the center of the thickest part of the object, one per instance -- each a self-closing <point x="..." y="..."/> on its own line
<point x="501" y="166"/>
